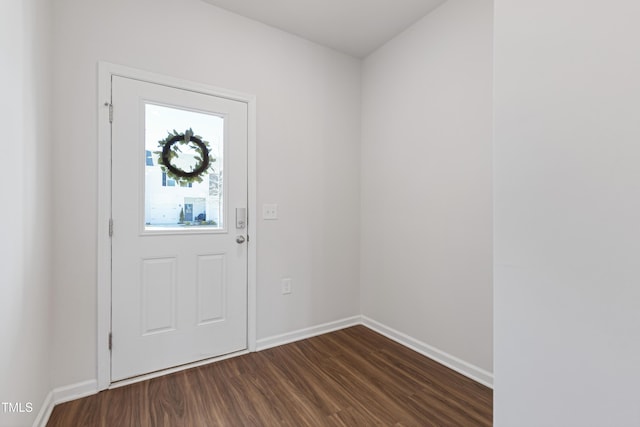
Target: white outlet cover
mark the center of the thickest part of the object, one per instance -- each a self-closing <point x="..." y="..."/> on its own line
<point x="286" y="286"/>
<point x="270" y="211"/>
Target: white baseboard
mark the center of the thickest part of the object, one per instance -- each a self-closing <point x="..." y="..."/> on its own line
<point x="61" y="395"/>
<point x="74" y="391"/>
<point x="301" y="334"/>
<point x="467" y="369"/>
<point x="45" y="411"/>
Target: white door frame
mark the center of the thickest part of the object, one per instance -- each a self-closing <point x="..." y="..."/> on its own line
<point x="105" y="71"/>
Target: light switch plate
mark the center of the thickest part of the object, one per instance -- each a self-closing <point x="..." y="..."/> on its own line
<point x="270" y="211"/>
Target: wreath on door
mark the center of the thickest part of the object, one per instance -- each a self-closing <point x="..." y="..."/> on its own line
<point x="170" y="150"/>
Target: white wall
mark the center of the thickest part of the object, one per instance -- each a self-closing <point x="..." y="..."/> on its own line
<point x="567" y="212"/>
<point x="308" y="155"/>
<point x="25" y="216"/>
<point x="426" y="182"/>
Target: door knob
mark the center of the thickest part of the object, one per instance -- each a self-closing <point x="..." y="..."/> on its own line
<point x="240" y="240"/>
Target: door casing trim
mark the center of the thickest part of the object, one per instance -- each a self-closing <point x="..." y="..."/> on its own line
<point x="105" y="71"/>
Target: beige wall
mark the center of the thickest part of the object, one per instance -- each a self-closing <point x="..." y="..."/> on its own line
<point x="25" y="216"/>
<point x="426" y="248"/>
<point x="567" y="181"/>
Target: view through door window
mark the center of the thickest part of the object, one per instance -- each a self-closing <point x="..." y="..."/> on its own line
<point x="169" y="202"/>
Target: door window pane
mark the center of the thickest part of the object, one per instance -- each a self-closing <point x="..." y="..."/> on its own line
<point x="169" y="202"/>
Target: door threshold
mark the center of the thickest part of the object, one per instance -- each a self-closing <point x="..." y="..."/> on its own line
<point x="163" y="372"/>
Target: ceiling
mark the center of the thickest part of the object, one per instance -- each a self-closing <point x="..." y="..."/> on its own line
<point x="355" y="27"/>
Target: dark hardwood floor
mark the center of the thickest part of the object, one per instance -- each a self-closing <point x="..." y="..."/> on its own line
<point x="352" y="377"/>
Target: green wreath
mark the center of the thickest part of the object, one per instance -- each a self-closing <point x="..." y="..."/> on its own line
<point x="170" y="149"/>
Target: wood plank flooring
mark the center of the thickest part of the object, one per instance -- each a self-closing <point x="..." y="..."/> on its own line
<point x="352" y="377"/>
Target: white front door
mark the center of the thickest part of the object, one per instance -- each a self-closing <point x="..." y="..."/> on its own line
<point x="179" y="250"/>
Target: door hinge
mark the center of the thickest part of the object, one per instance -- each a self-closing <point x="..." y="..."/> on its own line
<point x="110" y="227"/>
<point x="110" y="340"/>
<point x="110" y="113"/>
